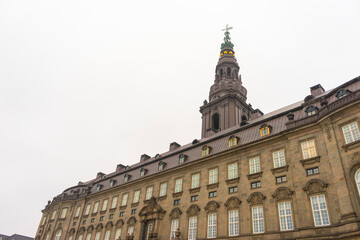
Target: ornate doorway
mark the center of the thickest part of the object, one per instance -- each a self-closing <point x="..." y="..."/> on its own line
<point x="150" y="216"/>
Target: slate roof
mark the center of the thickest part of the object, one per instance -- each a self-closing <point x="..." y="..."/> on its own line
<point x="15" y="237"/>
<point x="218" y="142"/>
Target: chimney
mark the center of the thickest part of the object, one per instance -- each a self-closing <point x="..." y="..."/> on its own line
<point x="317" y="90"/>
<point x="173" y="146"/>
<point x="120" y="167"/>
<point x="256" y="114"/>
<point x="100" y="175"/>
<point x="144" y="157"/>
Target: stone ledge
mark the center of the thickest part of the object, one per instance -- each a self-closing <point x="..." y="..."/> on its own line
<point x="280" y="169"/>
<point x="212" y="186"/>
<point x="255" y="175"/>
<point x="232" y="181"/>
<point x="351" y="145"/>
<point x="135" y="204"/>
<point x="162" y="198"/>
<point x="310" y="161"/>
<point x="122" y="207"/>
<point x="194" y="190"/>
<point x="178" y="194"/>
<point x="112" y="209"/>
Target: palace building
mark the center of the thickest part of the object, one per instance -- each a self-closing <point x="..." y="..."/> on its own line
<point x="290" y="174"/>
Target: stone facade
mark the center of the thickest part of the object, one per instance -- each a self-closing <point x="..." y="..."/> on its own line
<point x="329" y="172"/>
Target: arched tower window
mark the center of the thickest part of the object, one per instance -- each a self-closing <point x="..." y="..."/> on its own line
<point x="215" y="121"/>
<point x="228" y="72"/>
<point x="357" y="180"/>
<point x="221" y="73"/>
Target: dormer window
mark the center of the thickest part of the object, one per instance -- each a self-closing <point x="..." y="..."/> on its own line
<point x="157" y="156"/>
<point x="310" y="111"/>
<point x="233" y="141"/>
<point x="265" y="130"/>
<point x="112" y="182"/>
<point x="98" y="187"/>
<point x="182" y="158"/>
<point x="342" y="93"/>
<point x="161" y="165"/>
<point x="72" y="192"/>
<point x="205" y="150"/>
<point x="83" y="190"/>
<point x="142" y="172"/>
<point x="126" y="177"/>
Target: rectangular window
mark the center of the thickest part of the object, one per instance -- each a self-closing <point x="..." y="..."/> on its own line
<point x="254" y="165"/>
<point x="111" y="216"/>
<point x="149" y="193"/>
<point x="320" y="212"/>
<point x="351" y="132"/>
<point x="285" y="215"/>
<point x="44" y="220"/>
<point x="97" y="236"/>
<point x="233" y="141"/>
<point x="211" y="225"/>
<point x="117" y="233"/>
<point x="163" y="188"/>
<point x="133" y="211"/>
<point x="234" y="223"/>
<point x="178" y="185"/>
<point x="308" y="149"/>
<point x="232" y="171"/>
<point x="312" y="171"/>
<point x="212" y="194"/>
<point x="279" y="158"/>
<point x="77" y="213"/>
<point x="63" y="213"/>
<point x="114" y="202"/>
<point x="101" y="218"/>
<point x="122" y="214"/>
<point x="124" y="199"/>
<point x="96" y="207"/>
<point x="281" y="179"/>
<point x="54" y="213"/>
<point x="194" y="198"/>
<point x="213" y="176"/>
<point x="195" y="180"/>
<point x="104" y="206"/>
<point x="256" y="184"/>
<point x="205" y="151"/>
<point x="88" y="236"/>
<point x="130" y="230"/>
<point x="92" y="220"/>
<point x="232" y="189"/>
<point x="107" y="235"/>
<point x="84" y="222"/>
<point x="136" y="196"/>
<point x="177" y="202"/>
<point x="174" y="227"/>
<point x="87" y="211"/>
<point x="258" y="219"/>
<point x="192" y="228"/>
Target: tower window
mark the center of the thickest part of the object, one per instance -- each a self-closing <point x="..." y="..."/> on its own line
<point x="215" y="121"/>
<point x="228" y="72"/>
<point x="221" y="73"/>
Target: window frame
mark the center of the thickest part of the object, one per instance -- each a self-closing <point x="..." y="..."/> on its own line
<point x="277" y="161"/>
<point x="114" y="202"/>
<point x="213" y="178"/>
<point x="357" y="181"/>
<point x="178" y="187"/>
<point x="196" y="180"/>
<point x="258" y="219"/>
<point x="192" y="229"/>
<point x="149" y="194"/>
<point x="172" y="226"/>
<point x="212" y="229"/>
<point x="136" y="196"/>
<point x="122" y="199"/>
<point x="254" y="167"/>
<point x="354" y="137"/>
<point x="64" y="213"/>
<point x="104" y="205"/>
<point x="309" y="153"/>
<point x="234" y="171"/>
<point x="321" y="216"/>
<point x="162" y="192"/>
<point x="234" y="223"/>
<point x="285" y="216"/>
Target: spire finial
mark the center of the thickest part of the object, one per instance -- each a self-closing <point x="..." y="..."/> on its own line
<point x="227" y="42"/>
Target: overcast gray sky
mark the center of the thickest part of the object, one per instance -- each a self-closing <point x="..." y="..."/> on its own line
<point x="86" y="85"/>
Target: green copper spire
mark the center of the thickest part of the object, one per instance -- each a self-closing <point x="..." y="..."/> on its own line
<point x="227" y="40"/>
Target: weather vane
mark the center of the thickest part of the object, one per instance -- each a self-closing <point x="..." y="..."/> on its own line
<point x="227" y="28"/>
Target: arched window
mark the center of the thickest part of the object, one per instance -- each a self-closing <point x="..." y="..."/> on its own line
<point x="228" y="71"/>
<point x="58" y="235"/>
<point x="215" y="121"/>
<point x="117" y="233"/>
<point x="342" y="93"/>
<point x="182" y="158"/>
<point x="357" y="180"/>
<point x="243" y="120"/>
<point x="221" y="73"/>
<point x="311" y="111"/>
